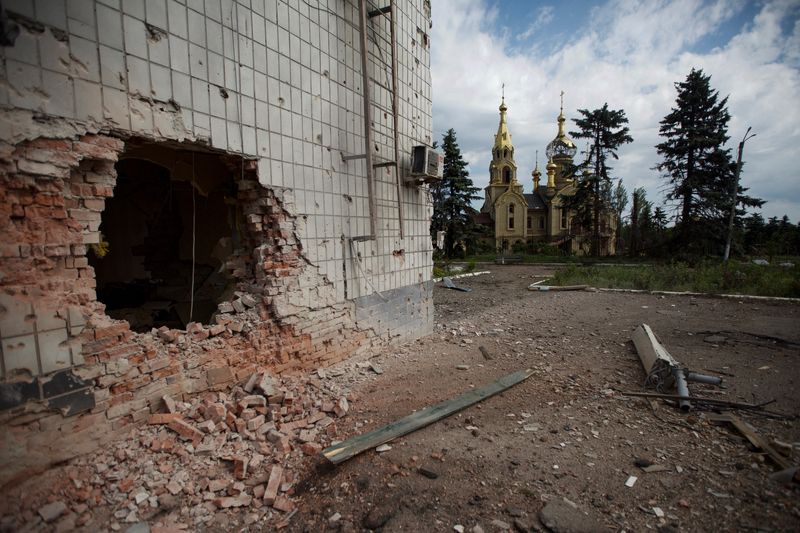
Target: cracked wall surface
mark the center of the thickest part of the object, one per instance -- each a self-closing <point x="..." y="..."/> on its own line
<point x="274" y="90"/>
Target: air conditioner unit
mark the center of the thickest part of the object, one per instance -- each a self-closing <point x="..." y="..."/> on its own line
<point x="427" y="165"/>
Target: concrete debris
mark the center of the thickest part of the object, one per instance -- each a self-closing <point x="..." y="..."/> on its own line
<point x="53" y="510"/>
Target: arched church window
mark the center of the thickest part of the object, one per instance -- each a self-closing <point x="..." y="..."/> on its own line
<point x="510" y="216"/>
<point x="505" y="153"/>
<point x="506" y="175"/>
<point x="563" y="218"/>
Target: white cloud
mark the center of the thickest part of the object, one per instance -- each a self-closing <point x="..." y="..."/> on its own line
<point x="630" y="55"/>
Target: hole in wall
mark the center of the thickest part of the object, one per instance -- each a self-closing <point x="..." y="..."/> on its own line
<point x="166" y="234"/>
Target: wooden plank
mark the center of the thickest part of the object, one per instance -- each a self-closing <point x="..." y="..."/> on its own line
<point x="755" y="439"/>
<point x="355" y="445"/>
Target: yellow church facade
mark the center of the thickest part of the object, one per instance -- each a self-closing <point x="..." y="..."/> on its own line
<point x="539" y="216"/>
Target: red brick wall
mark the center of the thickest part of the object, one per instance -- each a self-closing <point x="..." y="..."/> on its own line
<point x="52" y="193"/>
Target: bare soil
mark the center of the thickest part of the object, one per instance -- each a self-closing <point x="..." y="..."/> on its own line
<point x="564" y="433"/>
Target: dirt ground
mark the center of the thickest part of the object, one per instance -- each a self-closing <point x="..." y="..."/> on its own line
<point x="563" y="434"/>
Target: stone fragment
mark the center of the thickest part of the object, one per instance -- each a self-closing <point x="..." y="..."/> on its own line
<point x="174" y="487"/>
<point x="341" y="407"/>
<point x="560" y="516"/>
<point x="267" y="385"/>
<point x="383" y="448"/>
<point x="216" y="329"/>
<point x="248" y="300"/>
<point x="499" y="524"/>
<point x="378" y="516"/>
<point x="238" y="306"/>
<point x="52" y="510"/>
<point x="225" y="307"/>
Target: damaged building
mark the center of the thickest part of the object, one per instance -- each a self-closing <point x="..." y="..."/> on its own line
<point x="190" y="191"/>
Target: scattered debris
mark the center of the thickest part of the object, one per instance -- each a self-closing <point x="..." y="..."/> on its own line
<point x="663" y="371"/>
<point x="631" y="481"/>
<point x="485" y="353"/>
<point x="550" y="288"/>
<point x="383" y="448"/>
<point x="355" y="445"/>
<point x="430" y="474"/>
<point x="755" y="439"/>
<point x="447" y="283"/>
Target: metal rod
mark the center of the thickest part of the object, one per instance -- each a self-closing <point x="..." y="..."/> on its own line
<point x="395" y="112"/>
<point x="351" y="157"/>
<point x="373" y="210"/>
<point x="379" y="11"/>
<point x="710" y="401"/>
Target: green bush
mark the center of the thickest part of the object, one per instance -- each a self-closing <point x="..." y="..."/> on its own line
<point x="706" y="277"/>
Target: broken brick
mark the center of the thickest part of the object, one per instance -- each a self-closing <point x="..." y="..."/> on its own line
<point x="282" y="503"/>
<point x="240" y="466"/>
<point x="311" y="448"/>
<point x="273" y="485"/>
<point x="163" y="418"/>
<point x="185" y="430"/>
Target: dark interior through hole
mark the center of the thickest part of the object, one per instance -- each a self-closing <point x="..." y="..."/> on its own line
<point x="144" y="266"/>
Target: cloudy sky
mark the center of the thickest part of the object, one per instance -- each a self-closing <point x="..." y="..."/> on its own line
<point x="628" y="53"/>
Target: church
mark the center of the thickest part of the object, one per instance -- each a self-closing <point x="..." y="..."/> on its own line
<point x="520" y="218"/>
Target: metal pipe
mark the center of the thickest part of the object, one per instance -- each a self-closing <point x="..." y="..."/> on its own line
<point x="703" y="378"/>
<point x="373" y="208"/>
<point x="683" y="389"/>
<point x="395" y="115"/>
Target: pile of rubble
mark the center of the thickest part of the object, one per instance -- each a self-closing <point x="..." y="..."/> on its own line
<point x="238" y="450"/>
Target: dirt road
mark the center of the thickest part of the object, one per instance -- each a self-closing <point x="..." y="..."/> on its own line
<point x="565" y="433"/>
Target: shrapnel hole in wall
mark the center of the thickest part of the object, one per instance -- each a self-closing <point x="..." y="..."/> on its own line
<point x="167" y="232"/>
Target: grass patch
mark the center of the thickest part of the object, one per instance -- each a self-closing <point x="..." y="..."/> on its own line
<point x="712" y="278"/>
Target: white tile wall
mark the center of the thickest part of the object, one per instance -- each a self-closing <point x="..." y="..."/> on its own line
<point x="291" y="71"/>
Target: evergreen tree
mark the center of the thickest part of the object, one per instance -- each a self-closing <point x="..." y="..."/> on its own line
<point x="606" y="130"/>
<point x="619" y="201"/>
<point x="451" y="198"/>
<point x="698" y="168"/>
